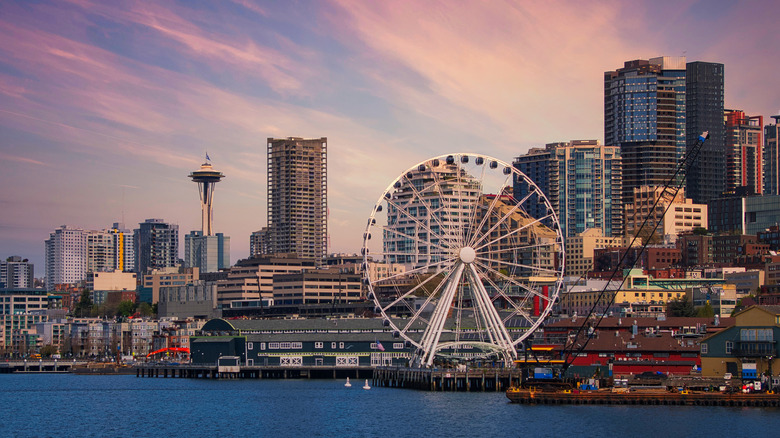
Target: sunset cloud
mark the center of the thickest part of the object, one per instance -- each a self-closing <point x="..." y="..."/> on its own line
<point x="96" y="96"/>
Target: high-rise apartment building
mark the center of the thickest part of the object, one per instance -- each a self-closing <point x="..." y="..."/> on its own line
<point x="156" y="245"/>
<point x="298" y="196"/>
<point x="100" y="251"/>
<point x="16" y="273"/>
<point x="644" y="114"/>
<point x="66" y="256"/>
<point x="124" y="250"/>
<point x="258" y="243"/>
<point x="744" y="152"/>
<point x="704" y="82"/>
<point x="772" y="158"/>
<point x="583" y="181"/>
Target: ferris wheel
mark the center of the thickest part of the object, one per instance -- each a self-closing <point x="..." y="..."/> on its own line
<point x="463" y="257"/>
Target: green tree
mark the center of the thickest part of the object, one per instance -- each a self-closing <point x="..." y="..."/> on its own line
<point x="705" y="311"/>
<point x="680" y="307"/>
<point x="146" y="309"/>
<point x="700" y="231"/>
<point x="48" y="350"/>
<point x="126" y="308"/>
<point x="84" y="306"/>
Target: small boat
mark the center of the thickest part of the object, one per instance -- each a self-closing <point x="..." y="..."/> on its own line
<point x="348" y="385"/>
<point x="366" y="385"/>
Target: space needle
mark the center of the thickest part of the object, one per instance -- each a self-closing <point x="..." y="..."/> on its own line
<point x="207" y="178"/>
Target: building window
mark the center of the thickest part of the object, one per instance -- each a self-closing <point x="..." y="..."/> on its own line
<point x="729" y="347"/>
<point x="333" y="345"/>
<point x="704" y="348"/>
<point x="318" y="345"/>
<point x="341" y="345"/>
<point x="250" y="346"/>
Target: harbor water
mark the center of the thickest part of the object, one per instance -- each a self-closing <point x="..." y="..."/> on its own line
<point x="43" y="405"/>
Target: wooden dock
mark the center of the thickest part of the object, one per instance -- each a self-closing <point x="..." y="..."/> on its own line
<point x="191" y="371"/>
<point x="478" y="379"/>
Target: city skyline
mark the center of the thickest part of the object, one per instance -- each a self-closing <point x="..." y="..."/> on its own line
<point x="104" y="110"/>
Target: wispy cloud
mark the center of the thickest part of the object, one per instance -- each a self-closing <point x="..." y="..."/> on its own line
<point x="24" y="160"/>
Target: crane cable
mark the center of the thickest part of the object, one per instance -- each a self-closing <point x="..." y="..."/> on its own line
<point x="685" y="164"/>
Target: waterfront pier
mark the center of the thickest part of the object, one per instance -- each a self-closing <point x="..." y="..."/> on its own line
<point x="477" y="379"/>
<point x="251" y="372"/>
<point x="40" y="366"/>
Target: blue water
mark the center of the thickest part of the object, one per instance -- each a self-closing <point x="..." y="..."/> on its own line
<point x="45" y="405"/>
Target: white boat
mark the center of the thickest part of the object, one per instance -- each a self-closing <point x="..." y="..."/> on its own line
<point x="348" y="385"/>
<point x="366" y="385"/>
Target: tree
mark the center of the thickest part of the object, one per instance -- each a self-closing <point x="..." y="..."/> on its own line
<point x="84" y="306"/>
<point x="680" y="307"/>
<point x="700" y="231"/>
<point x="48" y="350"/>
<point x="126" y="308"/>
<point x="705" y="311"/>
<point x="145" y="309"/>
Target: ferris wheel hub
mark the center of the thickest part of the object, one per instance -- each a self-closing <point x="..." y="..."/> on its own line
<point x="467" y="254"/>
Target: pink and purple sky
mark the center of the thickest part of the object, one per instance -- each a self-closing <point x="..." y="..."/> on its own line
<point x="105" y="107"/>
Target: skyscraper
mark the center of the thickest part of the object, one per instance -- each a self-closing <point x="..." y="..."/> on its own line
<point x="744" y="156"/>
<point x="583" y="181"/>
<point x="772" y="158"/>
<point x="100" y="251"/>
<point x="16" y="273"/>
<point x="124" y="251"/>
<point x="66" y="256"/>
<point x="156" y="245"/>
<point x="203" y="249"/>
<point x="706" y="178"/>
<point x="644" y="114"/>
<point x="298" y="196"/>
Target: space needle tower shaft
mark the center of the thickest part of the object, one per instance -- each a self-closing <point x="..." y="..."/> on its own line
<point x="207" y="178"/>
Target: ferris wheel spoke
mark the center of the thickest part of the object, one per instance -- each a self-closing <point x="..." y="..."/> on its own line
<point x="475" y="205"/>
<point x="488" y="213"/>
<point x="416" y="314"/>
<point x="499" y="290"/>
<point x="518" y="307"/>
<point x="411" y="291"/>
<point x="503" y="220"/>
<point x="414" y="219"/>
<point x="519" y="265"/>
<point x="478" y="244"/>
<point x="422" y="199"/>
<point x="511" y="280"/>
<point x="511" y="249"/>
<point x="415" y="239"/>
<point x="453" y="203"/>
<point x="418" y="270"/>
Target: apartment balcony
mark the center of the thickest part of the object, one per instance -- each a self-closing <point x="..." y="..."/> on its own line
<point x="754" y="348"/>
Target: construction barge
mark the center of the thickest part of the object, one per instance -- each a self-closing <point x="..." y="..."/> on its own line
<point x="661" y="396"/>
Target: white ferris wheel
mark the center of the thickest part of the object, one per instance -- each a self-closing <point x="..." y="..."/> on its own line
<point x="463" y="256"/>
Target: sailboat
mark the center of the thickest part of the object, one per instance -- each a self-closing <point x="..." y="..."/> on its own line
<point x="348" y="385"/>
<point x="366" y="385"/>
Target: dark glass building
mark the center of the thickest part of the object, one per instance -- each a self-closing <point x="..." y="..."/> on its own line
<point x="644" y="114"/>
<point x="706" y="178"/>
<point x="156" y="245"/>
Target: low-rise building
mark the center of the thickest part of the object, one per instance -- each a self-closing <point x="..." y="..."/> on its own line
<point x="748" y="349"/>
